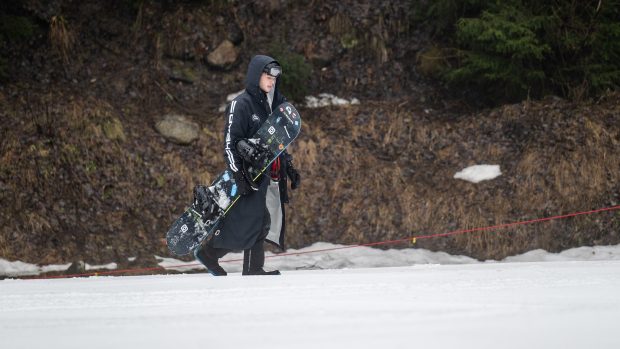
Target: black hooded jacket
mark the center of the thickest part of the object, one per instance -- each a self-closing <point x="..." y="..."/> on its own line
<point x="242" y="225"/>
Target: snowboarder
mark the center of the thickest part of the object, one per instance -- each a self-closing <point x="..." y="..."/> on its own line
<point x="259" y="213"/>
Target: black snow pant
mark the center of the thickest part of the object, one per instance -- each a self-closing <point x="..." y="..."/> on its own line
<point x="254" y="257"/>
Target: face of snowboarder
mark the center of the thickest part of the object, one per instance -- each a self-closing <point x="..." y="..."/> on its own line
<point x="267" y="82"/>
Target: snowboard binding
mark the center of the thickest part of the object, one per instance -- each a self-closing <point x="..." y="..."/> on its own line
<point x="254" y="152"/>
<point x="204" y="203"/>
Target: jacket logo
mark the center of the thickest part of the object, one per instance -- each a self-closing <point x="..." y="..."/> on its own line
<point x="255" y="118"/>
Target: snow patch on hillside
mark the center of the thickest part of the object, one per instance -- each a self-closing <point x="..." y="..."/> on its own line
<point x="479" y="173"/>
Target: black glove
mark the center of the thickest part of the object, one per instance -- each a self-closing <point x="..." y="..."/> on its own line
<point x="245" y="185"/>
<point x="292" y="173"/>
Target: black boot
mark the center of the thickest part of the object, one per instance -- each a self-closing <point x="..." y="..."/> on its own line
<point x="254" y="260"/>
<point x="207" y="255"/>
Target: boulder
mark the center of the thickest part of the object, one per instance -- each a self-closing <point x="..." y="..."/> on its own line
<point x="224" y="56"/>
<point x="178" y="129"/>
<point x="77" y="267"/>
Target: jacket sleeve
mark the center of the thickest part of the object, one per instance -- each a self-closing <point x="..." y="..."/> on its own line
<point x="236" y="129"/>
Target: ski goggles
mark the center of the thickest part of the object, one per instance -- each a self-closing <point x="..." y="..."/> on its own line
<point x="273" y="70"/>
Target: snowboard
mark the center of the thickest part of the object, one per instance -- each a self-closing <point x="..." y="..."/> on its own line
<point x="193" y="226"/>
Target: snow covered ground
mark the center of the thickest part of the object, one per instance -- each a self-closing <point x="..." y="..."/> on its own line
<point x="536" y="300"/>
<point x="323" y="255"/>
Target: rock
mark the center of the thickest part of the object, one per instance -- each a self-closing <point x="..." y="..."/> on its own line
<point x="113" y="130"/>
<point x="178" y="129"/>
<point x="77" y="267"/>
<point x="224" y="56"/>
<point x="183" y="73"/>
<point x="229" y="99"/>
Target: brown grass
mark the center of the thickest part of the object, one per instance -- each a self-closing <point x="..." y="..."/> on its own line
<point x="181" y="171"/>
<point x="383" y="198"/>
<point x="61" y="37"/>
<point x="370" y="173"/>
<point x="340" y="24"/>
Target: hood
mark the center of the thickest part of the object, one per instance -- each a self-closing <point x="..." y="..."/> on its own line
<point x="252" y="78"/>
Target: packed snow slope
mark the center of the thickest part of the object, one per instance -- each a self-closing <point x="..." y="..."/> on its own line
<point x="556" y="304"/>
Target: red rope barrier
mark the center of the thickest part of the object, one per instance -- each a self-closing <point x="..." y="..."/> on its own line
<point x="386" y="242"/>
<point x="455" y="232"/>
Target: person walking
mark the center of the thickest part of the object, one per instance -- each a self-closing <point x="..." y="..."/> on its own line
<point x="258" y="215"/>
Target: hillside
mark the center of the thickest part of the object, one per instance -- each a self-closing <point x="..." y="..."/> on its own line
<point x="85" y="175"/>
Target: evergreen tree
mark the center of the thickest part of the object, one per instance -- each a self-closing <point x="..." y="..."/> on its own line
<point x="518" y="48"/>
